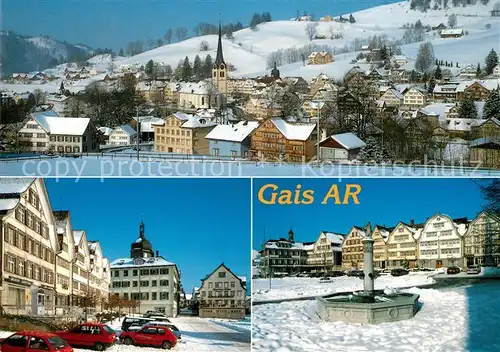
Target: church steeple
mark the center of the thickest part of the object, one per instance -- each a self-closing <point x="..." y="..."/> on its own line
<point x="219" y="59"/>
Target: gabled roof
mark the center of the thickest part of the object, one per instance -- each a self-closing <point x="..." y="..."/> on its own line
<point x="11" y="190"/>
<point x="348" y="140"/>
<point x="233" y="133"/>
<point x="74" y="126"/>
<point x="128" y="130"/>
<point x="298" y="132"/>
<point x="335" y="238"/>
<point x="229" y="270"/>
<point x="146" y="262"/>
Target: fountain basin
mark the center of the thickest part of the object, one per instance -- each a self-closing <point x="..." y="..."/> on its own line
<point x="344" y="306"/>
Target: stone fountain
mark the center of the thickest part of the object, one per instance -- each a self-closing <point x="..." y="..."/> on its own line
<point x="369" y="306"/>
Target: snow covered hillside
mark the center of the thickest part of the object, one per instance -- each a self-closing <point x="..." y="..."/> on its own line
<point x="249" y="50"/>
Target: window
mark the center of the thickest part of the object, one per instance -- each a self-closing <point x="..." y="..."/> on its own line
<point x="17" y="341"/>
<point x="144" y="283"/>
<point x="164" y="271"/>
<point x="163" y="282"/>
<point x="163" y="296"/>
<point x="134" y="283"/>
<point x="125" y="272"/>
<point x="117" y="274"/>
<point x="134" y="272"/>
<point x="144" y="272"/>
<point x="153" y="296"/>
<point x="221" y="274"/>
<point x="154" y="283"/>
<point x="116" y="284"/>
<point x="153" y="272"/>
<point x="37" y="343"/>
<point x="144" y="296"/>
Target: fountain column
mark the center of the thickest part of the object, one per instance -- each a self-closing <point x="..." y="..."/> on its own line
<point x="368" y="261"/>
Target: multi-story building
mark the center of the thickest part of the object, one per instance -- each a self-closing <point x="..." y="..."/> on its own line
<point x="122" y="135"/>
<point x="28" y="248"/>
<point x="148" y="278"/>
<point x="326" y="253"/>
<point x="277" y="139"/>
<point x="64" y="259"/>
<point x="402" y="245"/>
<point x="392" y="97"/>
<point x="320" y="58"/>
<point x="352" y="249"/>
<point x="283" y="257"/>
<point x="182" y="133"/>
<point x="440" y="241"/>
<point x="482" y="240"/>
<point x="380" y="235"/>
<point x="81" y="266"/>
<point x="45" y="131"/>
<point x="475" y="90"/>
<point x="231" y="140"/>
<point x="222" y="295"/>
<point x="414" y="98"/>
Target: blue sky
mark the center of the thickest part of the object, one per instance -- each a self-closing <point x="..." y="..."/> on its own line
<point x="382" y="201"/>
<point x="114" y="23"/>
<point x="195" y="223"/>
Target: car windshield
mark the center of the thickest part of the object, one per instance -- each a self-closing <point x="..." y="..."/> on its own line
<point x="108" y="329"/>
<point x="57" y="342"/>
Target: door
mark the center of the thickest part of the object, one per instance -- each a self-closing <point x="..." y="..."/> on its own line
<point x="146" y="336"/>
<point x="439" y="264"/>
<point x="15" y="343"/>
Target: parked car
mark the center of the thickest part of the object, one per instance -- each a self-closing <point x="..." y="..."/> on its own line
<point x="452" y="270"/>
<point x="356" y="273"/>
<point x="151" y="313"/>
<point x="97" y="336"/>
<point x="399" y="272"/>
<point x="473" y="269"/>
<point x="336" y="273"/>
<point x="151" y="335"/>
<point x="171" y="326"/>
<point x="34" y="340"/>
<point x="325" y="280"/>
<point x="136" y="321"/>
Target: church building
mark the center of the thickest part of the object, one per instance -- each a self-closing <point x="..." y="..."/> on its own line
<point x="220" y="68"/>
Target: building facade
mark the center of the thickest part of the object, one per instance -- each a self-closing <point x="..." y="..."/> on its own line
<point x="122" y="135"/>
<point x="352" y="249"/>
<point x="231" y="140"/>
<point x="326" y="253"/>
<point x="222" y="295"/>
<point x="380" y="235"/>
<point x="482" y="240"/>
<point x="402" y="245"/>
<point x="148" y="278"/>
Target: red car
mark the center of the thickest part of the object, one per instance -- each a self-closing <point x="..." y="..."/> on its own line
<point x="93" y="335"/>
<point x="34" y="341"/>
<point x="152" y="335"/>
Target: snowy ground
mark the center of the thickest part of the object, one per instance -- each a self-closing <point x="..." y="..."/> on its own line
<point x="454" y="320"/>
<point x="306" y="287"/>
<point x="128" y="167"/>
<point x="197" y="335"/>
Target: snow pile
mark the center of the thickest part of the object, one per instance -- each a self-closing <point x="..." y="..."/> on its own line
<point x="286" y="288"/>
<point x="238" y="325"/>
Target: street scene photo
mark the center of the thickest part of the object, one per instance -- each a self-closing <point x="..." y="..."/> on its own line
<point x="123" y="264"/>
<point x="376" y="265"/>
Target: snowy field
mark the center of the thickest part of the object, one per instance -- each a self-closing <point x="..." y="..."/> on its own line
<point x="452" y="320"/>
<point x="156" y="167"/>
<point x="197" y="335"/>
<point x="296" y="287"/>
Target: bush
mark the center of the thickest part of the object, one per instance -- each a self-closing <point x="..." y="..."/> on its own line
<point x="13" y="324"/>
<point x="487" y="26"/>
<point x="204" y="46"/>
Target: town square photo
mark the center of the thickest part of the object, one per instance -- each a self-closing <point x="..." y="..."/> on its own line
<point x="370" y="264"/>
<point x="146" y="261"/>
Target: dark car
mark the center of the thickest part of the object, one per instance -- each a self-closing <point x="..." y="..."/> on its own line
<point x="336" y="273"/>
<point x="136" y="321"/>
<point x="34" y="340"/>
<point x="453" y="270"/>
<point x="97" y="336"/>
<point x="157" y="336"/>
<point x="399" y="272"/>
<point x="356" y="273"/>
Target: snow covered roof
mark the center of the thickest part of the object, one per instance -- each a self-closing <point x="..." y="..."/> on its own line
<point x="182" y="116"/>
<point x="11" y="188"/>
<point x="148" y="122"/>
<point x="461" y="124"/>
<point x="242" y="278"/>
<point x="74" y="126"/>
<point x="142" y="262"/>
<point x="198" y="122"/>
<point x="348" y="140"/>
<point x="453" y="31"/>
<point x="439" y="109"/>
<point x="298" y="132"/>
<point x="194" y="88"/>
<point x="334" y="238"/>
<point x="188" y="295"/>
<point x="106" y="130"/>
<point x="233" y="133"/>
<point x="128" y="130"/>
<point x="77" y="235"/>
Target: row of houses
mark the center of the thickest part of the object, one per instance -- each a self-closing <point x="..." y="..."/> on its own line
<point x="440" y="241"/>
<point x="47" y="266"/>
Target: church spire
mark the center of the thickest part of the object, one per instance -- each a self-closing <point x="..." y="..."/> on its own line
<point x="219" y="59"/>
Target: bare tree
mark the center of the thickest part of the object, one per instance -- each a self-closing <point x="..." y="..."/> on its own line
<point x="168" y="36"/>
<point x="452" y="21"/>
<point x="311" y="30"/>
<point x="39" y="96"/>
<point x="181" y="33"/>
<point x="204" y="46"/>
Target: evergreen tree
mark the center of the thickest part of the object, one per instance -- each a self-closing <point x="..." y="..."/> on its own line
<point x="438" y="74"/>
<point x="178" y="73"/>
<point x="425" y="77"/>
<point x="207" y="67"/>
<point x="491" y="61"/>
<point x="413" y="76"/>
<point x="168" y="71"/>
<point x="430" y="87"/>
<point x="478" y="70"/>
<point x="186" y="70"/>
<point x="149" y="68"/>
<point x="61" y="88"/>
<point x="492" y="106"/>
<point x="121" y="53"/>
<point x="198" y="68"/>
<point x="467" y="109"/>
<point x="383" y="53"/>
<point x="351" y="19"/>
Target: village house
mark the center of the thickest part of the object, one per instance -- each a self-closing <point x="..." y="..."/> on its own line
<point x="446" y="92"/>
<point x="496" y="71"/>
<point x="487" y="128"/>
<point x="399" y="60"/>
<point x="402" y="245"/>
<point x="320" y="58"/>
<point x="196" y="95"/>
<point x="153" y="91"/>
<point x="475" y="90"/>
<point x="468" y="72"/>
<point x="261" y="108"/>
<point x="297" y="84"/>
<point x="326" y="253"/>
<point x="452" y="33"/>
<point x="232" y="140"/>
<point x="182" y="133"/>
<point x="222" y="295"/>
<point x="440" y="241"/>
<point x="392" y="97"/>
<point x="352" y="249"/>
<point x="45" y="131"/>
<point x="485" y="152"/>
<point x="122" y="135"/>
<point x="147" y="126"/>
<point x="414" y="98"/>
<point x="340" y="147"/>
<point x="277" y="139"/>
<point x="481" y="240"/>
<point x="380" y="235"/>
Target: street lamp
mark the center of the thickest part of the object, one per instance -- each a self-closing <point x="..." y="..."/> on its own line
<point x="317" y="104"/>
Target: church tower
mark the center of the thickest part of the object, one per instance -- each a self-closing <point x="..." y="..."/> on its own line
<point x="141" y="248"/>
<point x="219" y="74"/>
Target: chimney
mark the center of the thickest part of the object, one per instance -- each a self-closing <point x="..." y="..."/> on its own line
<point x="157" y="253"/>
<point x="412" y="222"/>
